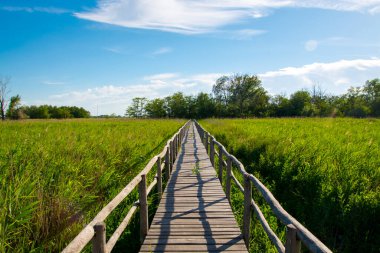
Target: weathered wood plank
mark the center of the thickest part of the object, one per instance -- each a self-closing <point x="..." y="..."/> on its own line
<point x="210" y="240"/>
<point x="194" y="214"/>
<point x="193" y="248"/>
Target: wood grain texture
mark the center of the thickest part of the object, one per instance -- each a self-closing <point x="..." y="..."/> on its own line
<point x="194" y="214"/>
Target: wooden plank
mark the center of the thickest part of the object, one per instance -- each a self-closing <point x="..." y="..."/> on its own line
<point x="191" y="228"/>
<point x="194" y="214"/>
<point x="193" y="248"/>
<point x="195" y="225"/>
<point x="166" y="240"/>
<point x="208" y="221"/>
<point x="192" y="233"/>
<point x="183" y="209"/>
<point x="196" y="237"/>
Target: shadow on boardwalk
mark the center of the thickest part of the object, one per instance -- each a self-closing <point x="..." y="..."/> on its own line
<point x="194" y="214"/>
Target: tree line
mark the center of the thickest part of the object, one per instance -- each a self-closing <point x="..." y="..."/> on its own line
<point x="12" y="108"/>
<point x="45" y="112"/>
<point x="244" y="96"/>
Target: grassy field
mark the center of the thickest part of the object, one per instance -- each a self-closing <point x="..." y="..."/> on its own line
<point x="56" y="175"/>
<point x="325" y="172"/>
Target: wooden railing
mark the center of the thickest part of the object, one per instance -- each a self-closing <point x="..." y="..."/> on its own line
<point x="296" y="232"/>
<point x="95" y="230"/>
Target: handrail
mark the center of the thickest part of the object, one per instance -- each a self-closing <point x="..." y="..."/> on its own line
<point x="295" y="230"/>
<point x="169" y="154"/>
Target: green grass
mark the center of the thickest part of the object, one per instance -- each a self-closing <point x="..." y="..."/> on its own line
<point x="56" y="175"/>
<point x="325" y="172"/>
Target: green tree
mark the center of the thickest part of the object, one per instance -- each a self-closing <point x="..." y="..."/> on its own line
<point x="37" y="112"/>
<point x="191" y="107"/>
<point x="62" y="112"/>
<point x="13" y="108"/>
<point x="205" y="106"/>
<point x="371" y="92"/>
<point x="354" y="103"/>
<point x="319" y="102"/>
<point x="222" y="96"/>
<point x="178" y="106"/>
<point x="280" y="106"/>
<point x="137" y="109"/>
<point x="300" y="103"/>
<point x="156" y="108"/>
<point x="79" y="112"/>
<point x="242" y="95"/>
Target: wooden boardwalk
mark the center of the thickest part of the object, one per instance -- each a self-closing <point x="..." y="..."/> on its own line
<point x="194" y="214"/>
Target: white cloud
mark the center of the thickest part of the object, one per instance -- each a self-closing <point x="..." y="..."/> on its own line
<point x="375" y="10"/>
<point x="203" y="16"/>
<point x="109" y="99"/>
<point x="311" y="45"/>
<point x="53" y="83"/>
<point x="114" y="50"/>
<point x="162" y="50"/>
<point x="246" y="34"/>
<point x="51" y="10"/>
<point x="335" y="77"/>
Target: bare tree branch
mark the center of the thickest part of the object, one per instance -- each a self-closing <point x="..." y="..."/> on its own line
<point x="4" y="91"/>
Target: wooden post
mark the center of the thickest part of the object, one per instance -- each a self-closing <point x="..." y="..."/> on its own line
<point x="99" y="239"/>
<point x="173" y="152"/>
<point x="206" y="142"/>
<point x="228" y="178"/>
<point x="212" y="152"/>
<point x="167" y="164"/>
<point x="143" y="209"/>
<point x="159" y="177"/>
<point x="171" y="155"/>
<point x="220" y="174"/>
<point x="247" y="210"/>
<point x="292" y="244"/>
<point x="176" y="145"/>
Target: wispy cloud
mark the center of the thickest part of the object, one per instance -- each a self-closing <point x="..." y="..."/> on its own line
<point x="311" y="45"/>
<point x="333" y="76"/>
<point x="375" y="10"/>
<point x="53" y="83"/>
<point x="163" y="50"/>
<point x="204" y="16"/>
<point x="115" y="50"/>
<point x="115" y="98"/>
<point x="50" y="10"/>
<point x="358" y="64"/>
<point x="245" y="34"/>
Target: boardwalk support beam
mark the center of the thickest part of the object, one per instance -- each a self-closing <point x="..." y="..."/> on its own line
<point x="293" y="244"/>
<point x="220" y="172"/>
<point x="212" y="152"/>
<point x="167" y="164"/>
<point x="143" y="209"/>
<point x="99" y="239"/>
<point x="228" y="178"/>
<point x="159" y="178"/>
<point x="247" y="210"/>
<point x="206" y="142"/>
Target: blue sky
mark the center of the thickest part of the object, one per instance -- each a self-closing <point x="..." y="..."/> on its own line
<point x="101" y="54"/>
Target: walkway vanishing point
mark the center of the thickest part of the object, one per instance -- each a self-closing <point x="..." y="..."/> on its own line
<point x="194" y="214"/>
